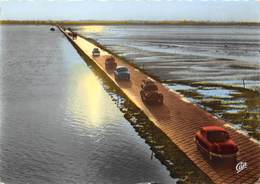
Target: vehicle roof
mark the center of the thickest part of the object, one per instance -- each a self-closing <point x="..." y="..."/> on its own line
<point x="121" y="67"/>
<point x="110" y="58"/>
<point x="213" y="128"/>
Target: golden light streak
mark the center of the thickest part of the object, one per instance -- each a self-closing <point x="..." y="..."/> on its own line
<point x="87" y="98"/>
<point x="93" y="29"/>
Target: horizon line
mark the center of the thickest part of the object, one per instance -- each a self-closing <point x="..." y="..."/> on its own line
<point x="46" y="21"/>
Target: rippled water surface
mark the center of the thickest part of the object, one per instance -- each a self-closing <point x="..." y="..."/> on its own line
<point x="58" y="125"/>
<point x="218" y="54"/>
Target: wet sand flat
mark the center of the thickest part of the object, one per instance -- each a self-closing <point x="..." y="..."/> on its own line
<point x="214" y="54"/>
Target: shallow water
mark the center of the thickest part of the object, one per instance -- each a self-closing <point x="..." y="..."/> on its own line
<point x="238" y="107"/>
<point x="220" y="54"/>
<point x="222" y="93"/>
<point x="58" y="124"/>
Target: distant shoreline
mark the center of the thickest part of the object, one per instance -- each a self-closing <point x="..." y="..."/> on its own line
<point x="127" y="22"/>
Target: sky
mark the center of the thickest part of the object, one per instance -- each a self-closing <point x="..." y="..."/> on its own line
<point x="198" y="10"/>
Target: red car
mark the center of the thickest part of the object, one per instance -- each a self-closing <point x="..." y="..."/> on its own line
<point x="110" y="63"/>
<point x="216" y="142"/>
<point x="149" y="93"/>
<point x="73" y="35"/>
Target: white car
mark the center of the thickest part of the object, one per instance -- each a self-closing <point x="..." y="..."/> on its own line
<point x="95" y="52"/>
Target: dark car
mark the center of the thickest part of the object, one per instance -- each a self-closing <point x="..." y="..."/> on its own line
<point x="149" y="93"/>
<point x="216" y="142"/>
<point x="73" y="35"/>
<point x="122" y="73"/>
<point x="95" y="52"/>
<point x="52" y="29"/>
<point x="110" y="63"/>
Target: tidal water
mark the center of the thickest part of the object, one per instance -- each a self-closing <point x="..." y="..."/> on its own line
<point x="57" y="123"/>
<point x="213" y="54"/>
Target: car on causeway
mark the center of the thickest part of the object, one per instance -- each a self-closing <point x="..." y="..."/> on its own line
<point x="149" y="92"/>
<point x="52" y="29"/>
<point x="122" y="73"/>
<point x="95" y="52"/>
<point x="73" y="35"/>
<point x="110" y="63"/>
<point x="216" y="142"/>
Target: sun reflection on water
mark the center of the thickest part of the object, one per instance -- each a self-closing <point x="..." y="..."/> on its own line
<point x="93" y="29"/>
<point x="87" y="98"/>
